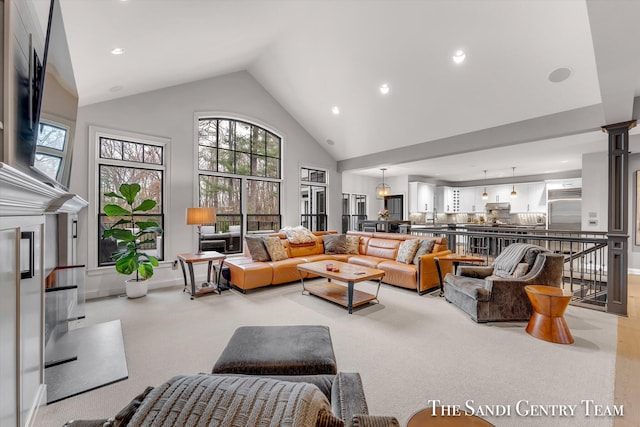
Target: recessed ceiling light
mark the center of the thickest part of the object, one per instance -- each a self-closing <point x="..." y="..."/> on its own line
<point x="117" y="51"/>
<point x="335" y="110"/>
<point x="559" y="75"/>
<point x="459" y="56"/>
<point x="330" y="142"/>
<point x="384" y="89"/>
<point x="115" y="88"/>
<point x="564" y="161"/>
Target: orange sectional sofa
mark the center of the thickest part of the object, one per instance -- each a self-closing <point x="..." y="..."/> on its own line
<point x="376" y="250"/>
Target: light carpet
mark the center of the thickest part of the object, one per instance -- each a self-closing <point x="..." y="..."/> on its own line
<point x="409" y="349"/>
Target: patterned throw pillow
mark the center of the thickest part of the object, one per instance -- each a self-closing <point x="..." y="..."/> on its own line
<point x="426" y="247"/>
<point x="335" y="244"/>
<point x="298" y="235"/>
<point x="353" y="245"/>
<point x="257" y="249"/>
<point x="407" y="251"/>
<point x="275" y="248"/>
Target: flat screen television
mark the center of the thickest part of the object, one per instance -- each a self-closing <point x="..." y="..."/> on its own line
<point x="54" y="104"/>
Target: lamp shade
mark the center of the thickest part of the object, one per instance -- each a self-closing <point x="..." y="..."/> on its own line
<point x="199" y="216"/>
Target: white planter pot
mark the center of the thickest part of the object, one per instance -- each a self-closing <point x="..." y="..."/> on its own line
<point x="136" y="288"/>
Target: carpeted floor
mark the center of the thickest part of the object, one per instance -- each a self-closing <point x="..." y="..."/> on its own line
<point x="410" y="350"/>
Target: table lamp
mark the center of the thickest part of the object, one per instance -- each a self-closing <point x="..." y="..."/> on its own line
<point x="200" y="216"/>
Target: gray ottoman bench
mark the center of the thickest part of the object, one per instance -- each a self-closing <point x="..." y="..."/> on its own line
<point x="278" y="350"/>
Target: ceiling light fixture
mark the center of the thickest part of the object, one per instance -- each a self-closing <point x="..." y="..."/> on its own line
<point x="117" y="51"/>
<point x="513" y="189"/>
<point x="330" y="142"/>
<point x="384" y="89"/>
<point x="459" y="56"/>
<point x="382" y="190"/>
<point x="335" y="110"/>
<point x="485" y="196"/>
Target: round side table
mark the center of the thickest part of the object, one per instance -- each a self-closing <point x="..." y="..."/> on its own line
<point x="547" y="321"/>
<point x="426" y="417"/>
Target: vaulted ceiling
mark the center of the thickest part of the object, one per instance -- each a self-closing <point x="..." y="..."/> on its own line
<point x="311" y="55"/>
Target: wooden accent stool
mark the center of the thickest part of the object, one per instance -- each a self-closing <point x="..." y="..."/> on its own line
<point x="440" y="418"/>
<point x="547" y="321"/>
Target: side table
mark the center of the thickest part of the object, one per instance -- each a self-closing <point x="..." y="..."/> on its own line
<point x="547" y="321"/>
<point x="456" y="260"/>
<point x="208" y="286"/>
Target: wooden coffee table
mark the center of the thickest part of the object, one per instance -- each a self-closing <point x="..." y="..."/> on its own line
<point x="350" y="274"/>
<point x="547" y="321"/>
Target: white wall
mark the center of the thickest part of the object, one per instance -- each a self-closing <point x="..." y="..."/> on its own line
<point x="360" y="184"/>
<point x="169" y="113"/>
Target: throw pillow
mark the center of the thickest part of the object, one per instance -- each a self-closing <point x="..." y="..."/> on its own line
<point x="298" y="235"/>
<point x="426" y="247"/>
<point x="327" y="419"/>
<point x="335" y="244"/>
<point x="257" y="249"/>
<point x="275" y="248"/>
<point x="407" y="251"/>
<point x="521" y="270"/>
<point x="353" y="245"/>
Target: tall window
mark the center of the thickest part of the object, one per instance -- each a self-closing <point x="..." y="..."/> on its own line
<point x="51" y="149"/>
<point x="313" y="198"/>
<point x="122" y="161"/>
<point x="239" y="166"/>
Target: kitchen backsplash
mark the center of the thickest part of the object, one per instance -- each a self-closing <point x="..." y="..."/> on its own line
<point x="529" y="218"/>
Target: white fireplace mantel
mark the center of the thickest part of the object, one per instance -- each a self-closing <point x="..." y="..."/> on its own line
<point x="21" y="194"/>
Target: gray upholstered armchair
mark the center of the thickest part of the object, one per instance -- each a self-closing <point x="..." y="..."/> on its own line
<point x="496" y="293"/>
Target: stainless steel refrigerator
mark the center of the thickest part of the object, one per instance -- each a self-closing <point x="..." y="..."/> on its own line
<point x="565" y="214"/>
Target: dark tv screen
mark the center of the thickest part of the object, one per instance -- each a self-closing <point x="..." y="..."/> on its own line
<point x="55" y="105"/>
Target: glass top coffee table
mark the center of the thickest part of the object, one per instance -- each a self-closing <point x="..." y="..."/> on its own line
<point x="350" y="274"/>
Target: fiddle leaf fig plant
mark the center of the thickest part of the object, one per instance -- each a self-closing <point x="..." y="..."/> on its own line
<point x="128" y="257"/>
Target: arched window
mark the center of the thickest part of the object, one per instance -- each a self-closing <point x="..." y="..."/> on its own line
<point x="239" y="174"/>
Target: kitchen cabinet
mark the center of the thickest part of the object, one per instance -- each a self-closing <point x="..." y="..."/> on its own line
<point x="413" y="197"/>
<point x="425" y="197"/>
<point x="537" y="197"/>
<point x="451" y="199"/>
<point x="421" y="197"/>
<point x="468" y="202"/>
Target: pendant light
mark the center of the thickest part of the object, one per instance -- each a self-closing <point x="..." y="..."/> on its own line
<point x="485" y="196"/>
<point x="382" y="190"/>
<point x="513" y="190"/>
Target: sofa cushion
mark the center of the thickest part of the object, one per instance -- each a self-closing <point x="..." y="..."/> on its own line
<point x="383" y="248"/>
<point x="426" y="247"/>
<point x="299" y="235"/>
<point x="399" y="274"/>
<point x="407" y="251"/>
<point x="256" y="248"/>
<point x="474" y="288"/>
<point x="275" y="248"/>
<point x="367" y="261"/>
<point x="340" y="244"/>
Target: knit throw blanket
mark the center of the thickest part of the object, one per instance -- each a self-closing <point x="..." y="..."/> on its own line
<point x="508" y="260"/>
<point x="211" y="400"/>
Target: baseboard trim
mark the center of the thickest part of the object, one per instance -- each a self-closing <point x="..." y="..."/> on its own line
<point x="41" y="399"/>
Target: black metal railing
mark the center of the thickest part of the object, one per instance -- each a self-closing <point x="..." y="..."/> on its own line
<point x="314" y="222"/>
<point x="263" y="222"/>
<point x="585" y="270"/>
